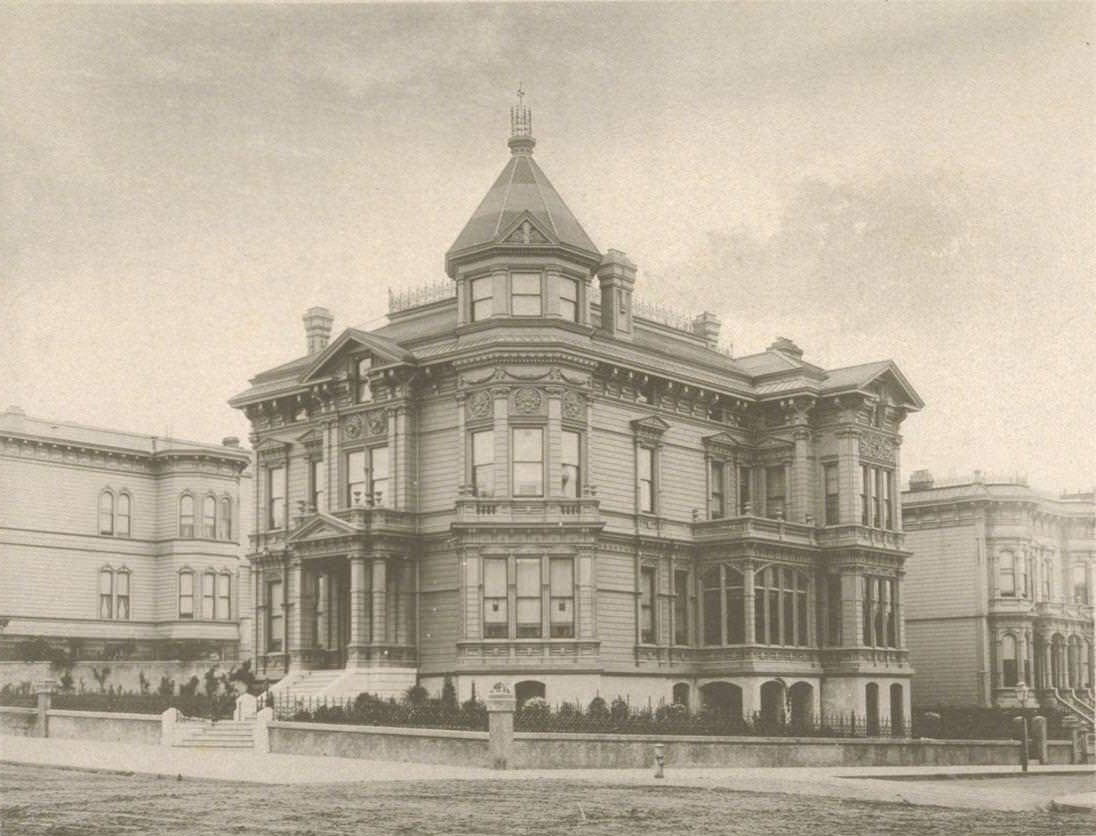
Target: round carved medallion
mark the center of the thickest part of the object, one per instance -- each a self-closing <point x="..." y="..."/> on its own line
<point x="527" y="401"/>
<point x="353" y="427"/>
<point x="479" y="405"/>
<point x="572" y="405"/>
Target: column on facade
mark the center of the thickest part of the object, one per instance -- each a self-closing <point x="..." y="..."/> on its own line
<point x="396" y="421"/>
<point x="848" y="475"/>
<point x="330" y="468"/>
<point x="294" y="617"/>
<point x="1048" y="664"/>
<point x="801" y="505"/>
<point x="501" y="396"/>
<point x="553" y="446"/>
<point x="852" y="607"/>
<point x="259" y="627"/>
<point x="359" y="628"/>
<point x="996" y="666"/>
<point x="380" y="601"/>
<point x="748" y="595"/>
<point x="405" y="625"/>
<point x="586" y="611"/>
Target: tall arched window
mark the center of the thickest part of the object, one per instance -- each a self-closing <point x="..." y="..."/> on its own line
<point x="186" y="516"/>
<point x="186" y="594"/>
<point x="106" y="513"/>
<point x="106" y="593"/>
<point x="209" y="584"/>
<point x="224" y="521"/>
<point x="780" y="606"/>
<point x="121" y="594"/>
<point x="209" y="518"/>
<point x="122" y="518"/>
<point x="223" y="608"/>
<point x="1009" y="676"/>
<point x="1006" y="574"/>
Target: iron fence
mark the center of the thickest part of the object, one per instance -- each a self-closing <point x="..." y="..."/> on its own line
<point x="368" y="710"/>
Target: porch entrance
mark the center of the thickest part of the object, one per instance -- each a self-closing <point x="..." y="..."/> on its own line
<point x="329" y="582"/>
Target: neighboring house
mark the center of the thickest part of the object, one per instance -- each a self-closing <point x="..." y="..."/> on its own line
<point x="999" y="591"/>
<point x="527" y="476"/>
<point x="115" y="545"/>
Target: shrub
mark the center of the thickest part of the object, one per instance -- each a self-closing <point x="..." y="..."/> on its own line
<point x="597" y="709"/>
<point x="619" y="710"/>
<point x="190" y="688"/>
<point x="416" y="695"/>
<point x="167" y="687"/>
<point x="66" y="681"/>
<point x="537" y="706"/>
<point x="101" y="675"/>
<point x="449" y="694"/>
<point x="143" y="682"/>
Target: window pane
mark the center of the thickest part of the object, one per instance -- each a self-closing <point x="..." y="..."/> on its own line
<point x="526" y="306"/>
<point x="712" y="617"/>
<point x="528" y="581"/>
<point x="645" y="463"/>
<point x="355" y="478"/>
<point x="483" y="447"/>
<point x="494" y="578"/>
<point x="222" y="585"/>
<point x="481" y="289"/>
<point x="527" y="445"/>
<point x="525" y="283"/>
<point x="527" y="480"/>
<point x="186" y="584"/>
<point x="529" y="612"/>
<point x="122" y="583"/>
<point x="681" y="607"/>
<point x="562" y="576"/>
<point x="378" y="462"/>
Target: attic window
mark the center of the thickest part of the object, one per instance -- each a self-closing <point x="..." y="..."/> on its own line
<point x="361" y="374"/>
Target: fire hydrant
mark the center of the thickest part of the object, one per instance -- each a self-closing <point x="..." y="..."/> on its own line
<point x="660" y="759"/>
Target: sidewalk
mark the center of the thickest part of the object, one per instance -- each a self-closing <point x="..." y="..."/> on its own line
<point x="859" y="783"/>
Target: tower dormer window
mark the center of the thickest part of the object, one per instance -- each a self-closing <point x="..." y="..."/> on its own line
<point x="568" y="299"/>
<point x="525" y="294"/>
<point x="481" y="299"/>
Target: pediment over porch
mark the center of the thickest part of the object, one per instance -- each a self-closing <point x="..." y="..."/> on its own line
<point x="322" y="527"/>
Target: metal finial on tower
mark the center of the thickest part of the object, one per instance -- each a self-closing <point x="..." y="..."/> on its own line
<point x="521" y="126"/>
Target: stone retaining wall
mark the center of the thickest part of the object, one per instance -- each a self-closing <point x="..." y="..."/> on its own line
<point x="105" y="725"/>
<point x="441" y="746"/>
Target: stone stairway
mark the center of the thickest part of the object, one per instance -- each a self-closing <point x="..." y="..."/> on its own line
<point x="222" y="734"/>
<point x="305" y="686"/>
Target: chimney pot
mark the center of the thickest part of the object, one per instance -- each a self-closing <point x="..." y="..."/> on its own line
<point x="317" y="328"/>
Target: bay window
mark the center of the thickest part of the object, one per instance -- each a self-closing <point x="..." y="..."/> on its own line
<point x="378" y="476"/>
<point x="568" y="299"/>
<point x="496" y="617"/>
<point x="780" y="606"/>
<point x="723" y="590"/>
<point x="1006" y="574"/>
<point x="527" y="596"/>
<point x="483" y="463"/>
<point x="355" y="479"/>
<point x="681" y="607"/>
<point x="528" y="461"/>
<point x="481" y="298"/>
<point x="1009" y="671"/>
<point x="209" y="518"/>
<point x="774" y="492"/>
<point x="569" y="464"/>
<point x="224" y="524"/>
<point x="223" y="608"/>
<point x="561" y="582"/>
<point x="209" y="581"/>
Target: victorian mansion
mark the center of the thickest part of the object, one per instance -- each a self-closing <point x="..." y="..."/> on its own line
<point x="528" y="476"/>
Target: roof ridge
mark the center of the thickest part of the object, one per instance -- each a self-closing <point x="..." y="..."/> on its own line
<point x="513" y="166"/>
<point x="533" y="168"/>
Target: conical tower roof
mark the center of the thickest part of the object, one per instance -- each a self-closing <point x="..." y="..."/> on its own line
<point x="522" y="207"/>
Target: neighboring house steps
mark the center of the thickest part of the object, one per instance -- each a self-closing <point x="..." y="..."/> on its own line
<point x="220" y="734"/>
<point x="338" y="686"/>
<point x="1079" y="710"/>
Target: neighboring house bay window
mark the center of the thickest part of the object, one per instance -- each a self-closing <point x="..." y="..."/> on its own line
<point x="186" y="594"/>
<point x="275" y="492"/>
<point x="775" y="485"/>
<point x="209" y="518"/>
<point x="223" y="610"/>
<point x="186" y="516"/>
<point x="224" y="522"/>
<point x="879" y="600"/>
<point x="106" y="513"/>
<point x="209" y="582"/>
<point x="274" y="616"/>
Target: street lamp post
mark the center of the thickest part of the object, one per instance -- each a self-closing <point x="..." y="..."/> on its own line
<point x="1023" y="693"/>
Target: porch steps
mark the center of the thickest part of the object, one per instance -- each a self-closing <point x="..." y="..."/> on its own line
<point x="305" y="685"/>
<point x="223" y="734"/>
<point x="381" y="682"/>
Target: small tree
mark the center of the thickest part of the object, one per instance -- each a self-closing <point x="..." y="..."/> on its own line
<point x="416" y="695"/>
<point x="143" y="683"/>
<point x="597" y="709"/>
<point x="448" y="695"/>
<point x="101" y="675"/>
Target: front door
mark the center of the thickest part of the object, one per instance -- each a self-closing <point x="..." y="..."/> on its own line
<point x="331" y="614"/>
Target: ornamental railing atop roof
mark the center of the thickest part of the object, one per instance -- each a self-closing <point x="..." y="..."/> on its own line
<point x="416" y="297"/>
<point x="982" y="477"/>
<point x="662" y="315"/>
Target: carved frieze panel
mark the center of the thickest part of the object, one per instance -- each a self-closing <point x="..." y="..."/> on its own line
<point x="878" y="448"/>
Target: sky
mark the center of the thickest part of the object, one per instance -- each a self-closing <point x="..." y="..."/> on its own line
<point x="916" y="182"/>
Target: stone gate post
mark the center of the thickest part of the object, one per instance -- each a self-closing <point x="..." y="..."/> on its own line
<point x="500" y="724"/>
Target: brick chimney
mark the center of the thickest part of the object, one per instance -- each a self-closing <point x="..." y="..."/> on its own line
<point x="617" y="276"/>
<point x="787" y="346"/>
<point x="317" y="328"/>
<point x="707" y="326"/>
<point x="921" y="480"/>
